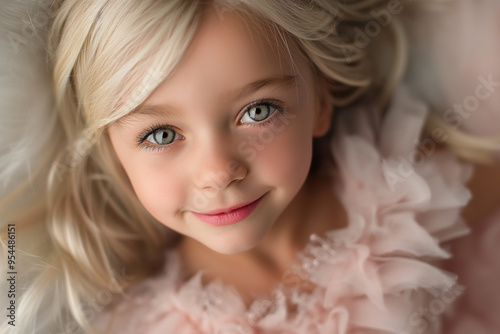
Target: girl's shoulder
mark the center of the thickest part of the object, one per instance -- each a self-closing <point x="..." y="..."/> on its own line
<point x="402" y="197"/>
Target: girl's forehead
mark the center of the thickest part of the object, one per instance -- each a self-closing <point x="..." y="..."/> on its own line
<point x="230" y="50"/>
<point x="233" y="29"/>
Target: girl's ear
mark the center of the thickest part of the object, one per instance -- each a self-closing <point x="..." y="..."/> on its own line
<point x="324" y="108"/>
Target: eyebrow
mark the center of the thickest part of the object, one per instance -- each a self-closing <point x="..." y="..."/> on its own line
<point x="287" y="80"/>
<point x="169" y="112"/>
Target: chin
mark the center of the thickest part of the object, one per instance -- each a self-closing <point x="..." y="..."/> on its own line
<point x="233" y="243"/>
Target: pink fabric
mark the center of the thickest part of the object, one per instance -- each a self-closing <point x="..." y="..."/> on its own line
<point x="377" y="275"/>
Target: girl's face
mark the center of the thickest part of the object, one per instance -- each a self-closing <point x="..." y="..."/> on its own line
<point x="232" y="125"/>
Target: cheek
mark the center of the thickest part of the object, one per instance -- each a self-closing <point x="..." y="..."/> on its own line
<point x="154" y="185"/>
<point x="287" y="158"/>
<point x="162" y="191"/>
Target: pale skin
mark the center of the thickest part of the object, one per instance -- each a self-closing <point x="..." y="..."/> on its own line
<point x="216" y="159"/>
<point x="215" y="162"/>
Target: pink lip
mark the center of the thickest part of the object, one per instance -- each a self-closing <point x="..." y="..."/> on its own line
<point x="228" y="216"/>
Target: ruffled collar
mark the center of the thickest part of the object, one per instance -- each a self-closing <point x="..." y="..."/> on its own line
<point x="403" y="198"/>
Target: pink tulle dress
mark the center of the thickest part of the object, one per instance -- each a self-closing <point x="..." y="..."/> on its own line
<point x="380" y="274"/>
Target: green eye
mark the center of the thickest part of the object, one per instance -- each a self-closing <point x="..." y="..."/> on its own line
<point x="162" y="137"/>
<point x="257" y="113"/>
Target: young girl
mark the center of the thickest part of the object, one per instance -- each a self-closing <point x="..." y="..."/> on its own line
<point x="233" y="167"/>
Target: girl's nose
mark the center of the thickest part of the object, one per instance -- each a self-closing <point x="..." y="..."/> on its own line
<point x="219" y="165"/>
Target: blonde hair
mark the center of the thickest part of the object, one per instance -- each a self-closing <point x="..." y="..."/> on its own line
<point x="107" y="58"/>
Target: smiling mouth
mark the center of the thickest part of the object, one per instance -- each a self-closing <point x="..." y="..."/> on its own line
<point x="230" y="209"/>
<point x="228" y="216"/>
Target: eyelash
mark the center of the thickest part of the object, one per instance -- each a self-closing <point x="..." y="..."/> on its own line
<point x="273" y="104"/>
<point x="141" y="138"/>
<point x="276" y="105"/>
